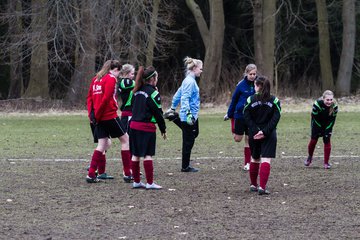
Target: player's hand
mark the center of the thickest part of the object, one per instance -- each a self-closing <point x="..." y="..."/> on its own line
<point x="164" y="136"/>
<point x="92" y="117"/>
<point x="259" y="135"/>
<point x="226" y="117"/>
<point x="190" y="119"/>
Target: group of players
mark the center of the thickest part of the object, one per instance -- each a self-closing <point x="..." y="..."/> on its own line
<point x="253" y="111"/>
<point x="141" y="110"/>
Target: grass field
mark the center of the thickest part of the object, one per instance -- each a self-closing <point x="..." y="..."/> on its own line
<point x="44" y="194"/>
<point x="69" y="137"/>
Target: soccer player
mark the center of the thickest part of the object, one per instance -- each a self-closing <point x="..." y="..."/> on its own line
<point x="323" y="117"/>
<point x="261" y="114"/>
<point x="102" y="110"/>
<point x="188" y="97"/>
<point x="125" y="86"/>
<point x="146" y="112"/>
<point x="244" y="89"/>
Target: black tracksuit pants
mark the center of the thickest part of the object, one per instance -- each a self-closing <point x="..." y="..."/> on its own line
<point x="189" y="133"/>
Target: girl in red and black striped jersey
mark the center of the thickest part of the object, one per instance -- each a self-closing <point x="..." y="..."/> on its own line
<point x="262" y="114"/>
<point x="323" y="117"/>
<point x="102" y="110"/>
<point x="125" y="86"/>
<point x="146" y="112"/>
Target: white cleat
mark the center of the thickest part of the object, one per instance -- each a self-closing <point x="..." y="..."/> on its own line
<point x="138" y="185"/>
<point x="246" y="167"/>
<point x="153" y="186"/>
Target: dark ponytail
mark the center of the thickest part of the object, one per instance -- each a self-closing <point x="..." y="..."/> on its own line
<point x="264" y="92"/>
<point x="139" y="82"/>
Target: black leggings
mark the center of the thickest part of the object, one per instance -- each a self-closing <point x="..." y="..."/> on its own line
<point x="189" y="133"/>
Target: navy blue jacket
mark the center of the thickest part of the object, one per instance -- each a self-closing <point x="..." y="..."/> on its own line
<point x="244" y="89"/>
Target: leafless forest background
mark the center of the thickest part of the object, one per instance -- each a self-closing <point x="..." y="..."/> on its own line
<point x="50" y="49"/>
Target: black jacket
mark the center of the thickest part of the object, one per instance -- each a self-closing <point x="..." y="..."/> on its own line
<point x="147" y="107"/>
<point x="262" y="116"/>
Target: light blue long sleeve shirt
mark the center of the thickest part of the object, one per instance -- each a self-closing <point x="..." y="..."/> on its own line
<point x="188" y="96"/>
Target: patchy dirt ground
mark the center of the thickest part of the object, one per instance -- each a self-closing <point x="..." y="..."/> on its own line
<point x="51" y="200"/>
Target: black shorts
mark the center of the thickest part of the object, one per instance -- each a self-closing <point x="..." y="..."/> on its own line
<point x="93" y="126"/>
<point x="317" y="132"/>
<point x="109" y="129"/>
<point x="239" y="127"/>
<point x="265" y="148"/>
<point x="125" y="121"/>
<point x="142" y="143"/>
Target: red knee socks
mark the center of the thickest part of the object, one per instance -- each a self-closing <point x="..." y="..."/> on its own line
<point x="96" y="158"/>
<point x="327" y="150"/>
<point x="311" y="147"/>
<point x="135" y="167"/>
<point x="126" y="160"/>
<point x="102" y="164"/>
<point x="264" y="174"/>
<point x="254" y="172"/>
<point x="149" y="171"/>
<point x="247" y="155"/>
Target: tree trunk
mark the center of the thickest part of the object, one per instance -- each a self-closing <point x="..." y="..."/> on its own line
<point x="38" y="84"/>
<point x="213" y="39"/>
<point x="324" y="46"/>
<point x="85" y="55"/>
<point x="343" y="82"/>
<point x="16" y="86"/>
<point x="152" y="37"/>
<point x="258" y="34"/>
<point x="264" y="36"/>
<point x="268" y="39"/>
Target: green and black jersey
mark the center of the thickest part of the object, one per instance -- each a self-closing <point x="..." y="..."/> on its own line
<point x="322" y="116"/>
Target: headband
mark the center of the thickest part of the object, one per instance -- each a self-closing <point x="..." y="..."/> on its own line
<point x="151" y="75"/>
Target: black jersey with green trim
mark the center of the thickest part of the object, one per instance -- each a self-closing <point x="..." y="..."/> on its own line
<point x="321" y="116"/>
<point x="262" y="116"/>
<point x="124" y="91"/>
<point x="147" y="107"/>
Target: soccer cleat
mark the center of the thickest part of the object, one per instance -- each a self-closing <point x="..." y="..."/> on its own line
<point x="189" y="169"/>
<point x="262" y="191"/>
<point x="327" y="166"/>
<point x="308" y="161"/>
<point x="138" y="185"/>
<point x="246" y="167"/>
<point x="92" y="180"/>
<point x="128" y="179"/>
<point x="253" y="188"/>
<point x="105" y="176"/>
<point x="153" y="186"/>
<point x="170" y="114"/>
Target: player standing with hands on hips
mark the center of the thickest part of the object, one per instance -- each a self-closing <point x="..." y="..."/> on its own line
<point x="262" y="114"/>
<point x="188" y="97"/>
<point x="323" y="117"/>
<point x="146" y="112"/>
<point x="244" y="89"/>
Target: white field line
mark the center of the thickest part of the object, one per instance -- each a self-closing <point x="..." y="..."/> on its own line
<point x="176" y="158"/>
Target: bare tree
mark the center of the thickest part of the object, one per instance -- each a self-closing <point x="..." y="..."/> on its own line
<point x="16" y="86"/>
<point x="38" y="84"/>
<point x="343" y="82"/>
<point x="264" y="36"/>
<point x="324" y="46"/>
<point x="85" y="52"/>
<point x="213" y="38"/>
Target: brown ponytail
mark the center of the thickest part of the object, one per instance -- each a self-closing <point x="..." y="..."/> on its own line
<point x="139" y="82"/>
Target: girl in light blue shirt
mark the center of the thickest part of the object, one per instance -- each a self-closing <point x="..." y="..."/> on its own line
<point x="188" y="97"/>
